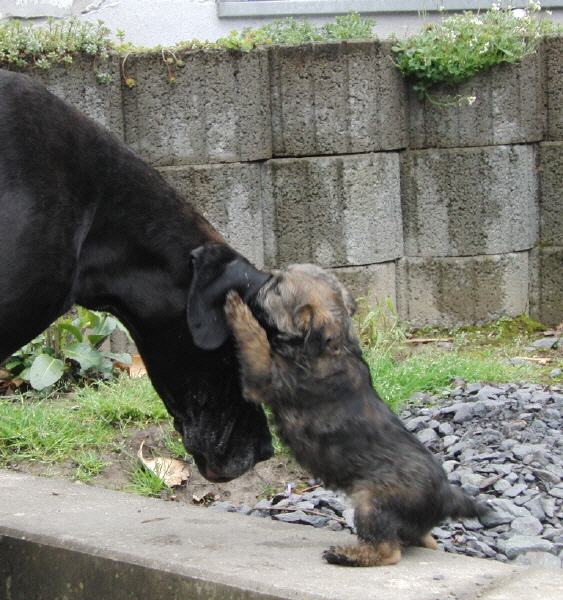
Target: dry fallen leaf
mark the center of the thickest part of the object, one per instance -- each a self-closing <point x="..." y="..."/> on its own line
<point x="538" y="359"/>
<point x="171" y="471"/>
<point x="135" y="369"/>
<point x="205" y="498"/>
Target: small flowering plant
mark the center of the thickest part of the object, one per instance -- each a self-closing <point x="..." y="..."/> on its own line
<point x="462" y="45"/>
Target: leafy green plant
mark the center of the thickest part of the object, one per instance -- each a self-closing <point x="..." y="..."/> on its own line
<point x="70" y="348"/>
<point x="462" y="45"/>
<point x="59" y="42"/>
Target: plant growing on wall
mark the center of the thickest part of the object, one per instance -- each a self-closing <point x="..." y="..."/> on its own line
<point x="462" y="45"/>
<point x="23" y="45"/>
<point x="70" y="349"/>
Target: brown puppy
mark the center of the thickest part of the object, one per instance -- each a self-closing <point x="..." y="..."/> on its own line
<point x="306" y="364"/>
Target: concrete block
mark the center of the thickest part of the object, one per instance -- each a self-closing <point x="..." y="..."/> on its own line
<point x="508" y="109"/>
<point x="228" y="196"/>
<point x="453" y="291"/>
<point x="62" y="540"/>
<point x="551" y="197"/>
<point x="546" y="287"/>
<point x="553" y="50"/>
<point x="218" y="110"/>
<point x="370" y="283"/>
<point x="469" y="201"/>
<point x="336" y="98"/>
<point x="77" y="85"/>
<point x="333" y="211"/>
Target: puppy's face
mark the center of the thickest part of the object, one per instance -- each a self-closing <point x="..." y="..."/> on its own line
<point x="310" y="307"/>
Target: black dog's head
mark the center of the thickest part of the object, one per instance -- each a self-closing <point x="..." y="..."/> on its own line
<point x="225" y="434"/>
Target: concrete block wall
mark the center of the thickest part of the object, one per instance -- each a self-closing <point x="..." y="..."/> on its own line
<point x="321" y="153"/>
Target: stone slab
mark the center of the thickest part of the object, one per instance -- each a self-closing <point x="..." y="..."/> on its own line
<point x="451" y="291"/>
<point x="372" y="284"/>
<point x="469" y="201"/>
<point x="228" y="196"/>
<point x="336" y="98"/>
<point x="553" y="50"/>
<point x="217" y="110"/>
<point x="77" y="85"/>
<point x="546" y="286"/>
<point x="551" y="198"/>
<point x="509" y="108"/>
<point x="333" y="211"/>
<point x="62" y="540"/>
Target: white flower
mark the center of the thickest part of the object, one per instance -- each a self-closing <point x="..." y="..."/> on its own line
<point x="520" y="13"/>
<point x="471" y="100"/>
<point x="495" y="6"/>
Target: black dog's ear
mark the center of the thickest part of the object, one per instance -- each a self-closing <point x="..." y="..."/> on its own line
<point x="216" y="269"/>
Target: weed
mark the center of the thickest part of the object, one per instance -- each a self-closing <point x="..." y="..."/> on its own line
<point x="462" y="45"/>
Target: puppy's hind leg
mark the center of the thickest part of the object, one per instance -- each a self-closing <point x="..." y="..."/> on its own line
<point x="378" y="535"/>
<point x="253" y="349"/>
<point x="427" y="541"/>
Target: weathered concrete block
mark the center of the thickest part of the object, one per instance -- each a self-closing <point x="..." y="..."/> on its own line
<point x="551" y="198"/>
<point x="371" y="283"/>
<point x="77" y="84"/>
<point x="469" y="201"/>
<point x="508" y="109"/>
<point x="553" y="50"/>
<point x="218" y="110"/>
<point x="546" y="289"/>
<point x="336" y="98"/>
<point x="228" y="196"/>
<point x="337" y="211"/>
<point x="452" y="291"/>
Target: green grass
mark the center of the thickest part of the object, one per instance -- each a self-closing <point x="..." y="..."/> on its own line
<point x="88" y="465"/>
<point x="54" y="430"/>
<point x="433" y="371"/>
<point x="145" y="482"/>
<point x="122" y="403"/>
<point x="47" y="431"/>
<point x="476" y="353"/>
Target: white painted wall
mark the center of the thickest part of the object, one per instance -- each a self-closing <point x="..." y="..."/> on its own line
<point x="152" y="22"/>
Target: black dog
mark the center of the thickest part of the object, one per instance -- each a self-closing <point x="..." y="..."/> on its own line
<point x="84" y="220"/>
<point x="307" y="366"/>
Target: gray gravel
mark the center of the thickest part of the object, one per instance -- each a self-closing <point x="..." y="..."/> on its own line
<point x="501" y="444"/>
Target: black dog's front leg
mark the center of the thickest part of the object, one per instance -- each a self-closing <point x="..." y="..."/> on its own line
<point x="253" y="350"/>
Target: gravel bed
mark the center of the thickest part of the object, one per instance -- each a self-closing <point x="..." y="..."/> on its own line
<point x="501" y="444"/>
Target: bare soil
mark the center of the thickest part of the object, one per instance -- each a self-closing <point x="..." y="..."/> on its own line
<point x="265" y="480"/>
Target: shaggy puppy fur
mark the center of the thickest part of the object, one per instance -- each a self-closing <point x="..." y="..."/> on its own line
<point x="306" y="364"/>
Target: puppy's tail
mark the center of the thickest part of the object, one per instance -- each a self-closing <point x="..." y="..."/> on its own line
<point x="459" y="505"/>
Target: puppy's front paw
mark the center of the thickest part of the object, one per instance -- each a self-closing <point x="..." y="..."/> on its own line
<point x="234" y="306"/>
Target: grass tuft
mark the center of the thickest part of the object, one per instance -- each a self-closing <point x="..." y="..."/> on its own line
<point x="122" y="403"/>
<point x="145" y="482"/>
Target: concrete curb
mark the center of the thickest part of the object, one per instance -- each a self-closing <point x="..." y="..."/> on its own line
<point x="62" y="540"/>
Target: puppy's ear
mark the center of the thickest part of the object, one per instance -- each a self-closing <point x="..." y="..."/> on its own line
<point x="216" y="269"/>
<point x="303" y="318"/>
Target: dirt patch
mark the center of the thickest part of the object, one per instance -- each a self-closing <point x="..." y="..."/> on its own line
<point x="265" y="480"/>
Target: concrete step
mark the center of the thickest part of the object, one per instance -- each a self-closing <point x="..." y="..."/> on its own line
<point x="64" y="541"/>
